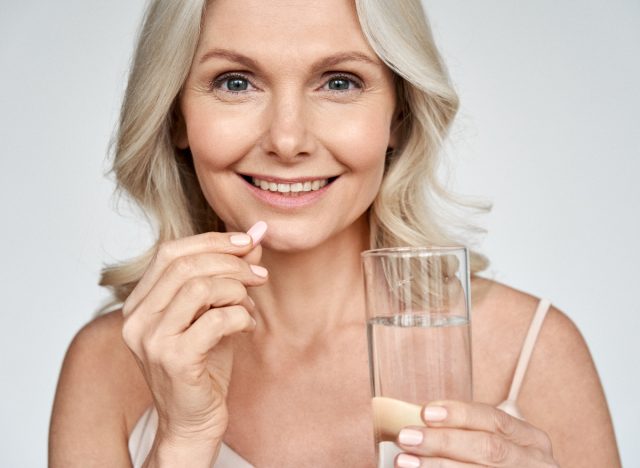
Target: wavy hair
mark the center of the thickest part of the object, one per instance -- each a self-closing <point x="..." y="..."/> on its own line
<point x="412" y="208"/>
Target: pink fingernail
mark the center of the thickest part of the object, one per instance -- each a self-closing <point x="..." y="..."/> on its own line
<point x="410" y="437"/>
<point x="260" y="271"/>
<point x="407" y="461"/>
<point x="257" y="232"/>
<point x="434" y="413"/>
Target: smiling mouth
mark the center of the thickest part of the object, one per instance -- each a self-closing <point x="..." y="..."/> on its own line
<point x="288" y="189"/>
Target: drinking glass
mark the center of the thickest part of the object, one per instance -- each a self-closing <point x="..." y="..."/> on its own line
<point x="418" y="333"/>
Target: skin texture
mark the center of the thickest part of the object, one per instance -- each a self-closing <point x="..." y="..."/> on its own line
<point x="293" y="125"/>
<point x="299" y="391"/>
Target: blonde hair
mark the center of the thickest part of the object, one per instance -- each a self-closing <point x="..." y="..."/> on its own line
<point x="161" y="179"/>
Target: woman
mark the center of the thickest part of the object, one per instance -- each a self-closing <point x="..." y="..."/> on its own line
<point x="273" y="142"/>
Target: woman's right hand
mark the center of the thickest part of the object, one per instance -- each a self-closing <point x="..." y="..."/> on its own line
<point x="176" y="320"/>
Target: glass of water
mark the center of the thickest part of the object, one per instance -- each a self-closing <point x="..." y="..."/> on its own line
<point x="419" y="335"/>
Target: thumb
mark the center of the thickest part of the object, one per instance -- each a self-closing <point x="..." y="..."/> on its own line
<point x="254" y="256"/>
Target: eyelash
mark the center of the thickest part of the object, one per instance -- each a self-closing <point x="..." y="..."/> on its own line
<point x="218" y="82"/>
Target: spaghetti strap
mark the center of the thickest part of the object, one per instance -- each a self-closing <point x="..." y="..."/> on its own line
<point x="510" y="404"/>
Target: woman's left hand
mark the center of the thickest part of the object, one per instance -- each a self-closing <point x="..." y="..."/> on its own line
<point x="460" y="434"/>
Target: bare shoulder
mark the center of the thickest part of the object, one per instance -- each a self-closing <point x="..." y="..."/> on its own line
<point x="500" y="317"/>
<point x="561" y="392"/>
<point x="100" y="394"/>
<point x="503" y="316"/>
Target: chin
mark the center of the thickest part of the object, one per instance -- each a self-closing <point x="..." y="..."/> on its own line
<point x="293" y="239"/>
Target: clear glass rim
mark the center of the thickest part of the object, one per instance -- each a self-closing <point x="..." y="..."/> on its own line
<point x="415" y="251"/>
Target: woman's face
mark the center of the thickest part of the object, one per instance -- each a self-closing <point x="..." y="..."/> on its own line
<point x="288" y="115"/>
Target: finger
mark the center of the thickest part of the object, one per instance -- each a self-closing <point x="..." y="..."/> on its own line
<point x="485" y="448"/>
<point x="197" y="296"/>
<point x="405" y="460"/>
<point x="482" y="417"/>
<point x="185" y="269"/>
<point x="215" y="324"/>
<point x="235" y="243"/>
<point x="254" y="256"/>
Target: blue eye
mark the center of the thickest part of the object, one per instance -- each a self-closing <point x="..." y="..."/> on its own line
<point x="342" y="83"/>
<point x="231" y="83"/>
<point x="338" y="84"/>
<point x="236" y="84"/>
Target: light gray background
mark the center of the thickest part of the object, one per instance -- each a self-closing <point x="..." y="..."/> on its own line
<point x="547" y="131"/>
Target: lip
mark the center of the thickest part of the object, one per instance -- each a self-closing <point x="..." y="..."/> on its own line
<point x="286" y="201"/>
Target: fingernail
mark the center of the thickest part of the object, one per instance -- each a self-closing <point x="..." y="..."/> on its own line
<point x="258" y="270"/>
<point x="251" y="301"/>
<point x="240" y="239"/>
<point x="410" y="437"/>
<point x="434" y="413"/>
<point x="257" y="231"/>
<point x="407" y="461"/>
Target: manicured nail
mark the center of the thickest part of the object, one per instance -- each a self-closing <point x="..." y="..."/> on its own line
<point x="257" y="231"/>
<point x="434" y="413"/>
<point x="240" y="239"/>
<point x="258" y="270"/>
<point x="407" y="461"/>
<point x="410" y="437"/>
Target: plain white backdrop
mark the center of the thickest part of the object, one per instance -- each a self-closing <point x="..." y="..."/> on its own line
<point x="548" y="131"/>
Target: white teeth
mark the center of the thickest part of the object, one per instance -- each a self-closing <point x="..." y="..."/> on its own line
<point x="287" y="188"/>
<point x="284" y="188"/>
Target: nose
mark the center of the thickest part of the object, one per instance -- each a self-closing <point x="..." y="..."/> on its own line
<point x="287" y="136"/>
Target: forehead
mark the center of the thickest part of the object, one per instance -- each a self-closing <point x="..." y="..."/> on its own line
<point x="284" y="27"/>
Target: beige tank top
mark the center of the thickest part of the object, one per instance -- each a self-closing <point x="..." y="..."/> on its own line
<point x="143" y="433"/>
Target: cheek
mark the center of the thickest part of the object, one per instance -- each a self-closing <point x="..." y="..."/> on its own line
<point x="359" y="139"/>
<point x="217" y="140"/>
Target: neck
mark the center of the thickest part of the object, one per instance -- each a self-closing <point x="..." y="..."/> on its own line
<point x="312" y="293"/>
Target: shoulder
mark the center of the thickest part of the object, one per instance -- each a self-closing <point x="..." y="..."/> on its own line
<point x="98" y="354"/>
<point x="101" y="393"/>
<point x="501" y="318"/>
<point x="561" y="392"/>
<point x="508" y="311"/>
<point x="504" y="315"/>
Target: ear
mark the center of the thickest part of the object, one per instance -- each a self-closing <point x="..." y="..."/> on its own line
<point x="179" y="134"/>
<point x="394" y="134"/>
<point x="398" y="117"/>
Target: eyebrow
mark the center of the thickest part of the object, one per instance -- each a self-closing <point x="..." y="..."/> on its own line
<point x="325" y="62"/>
